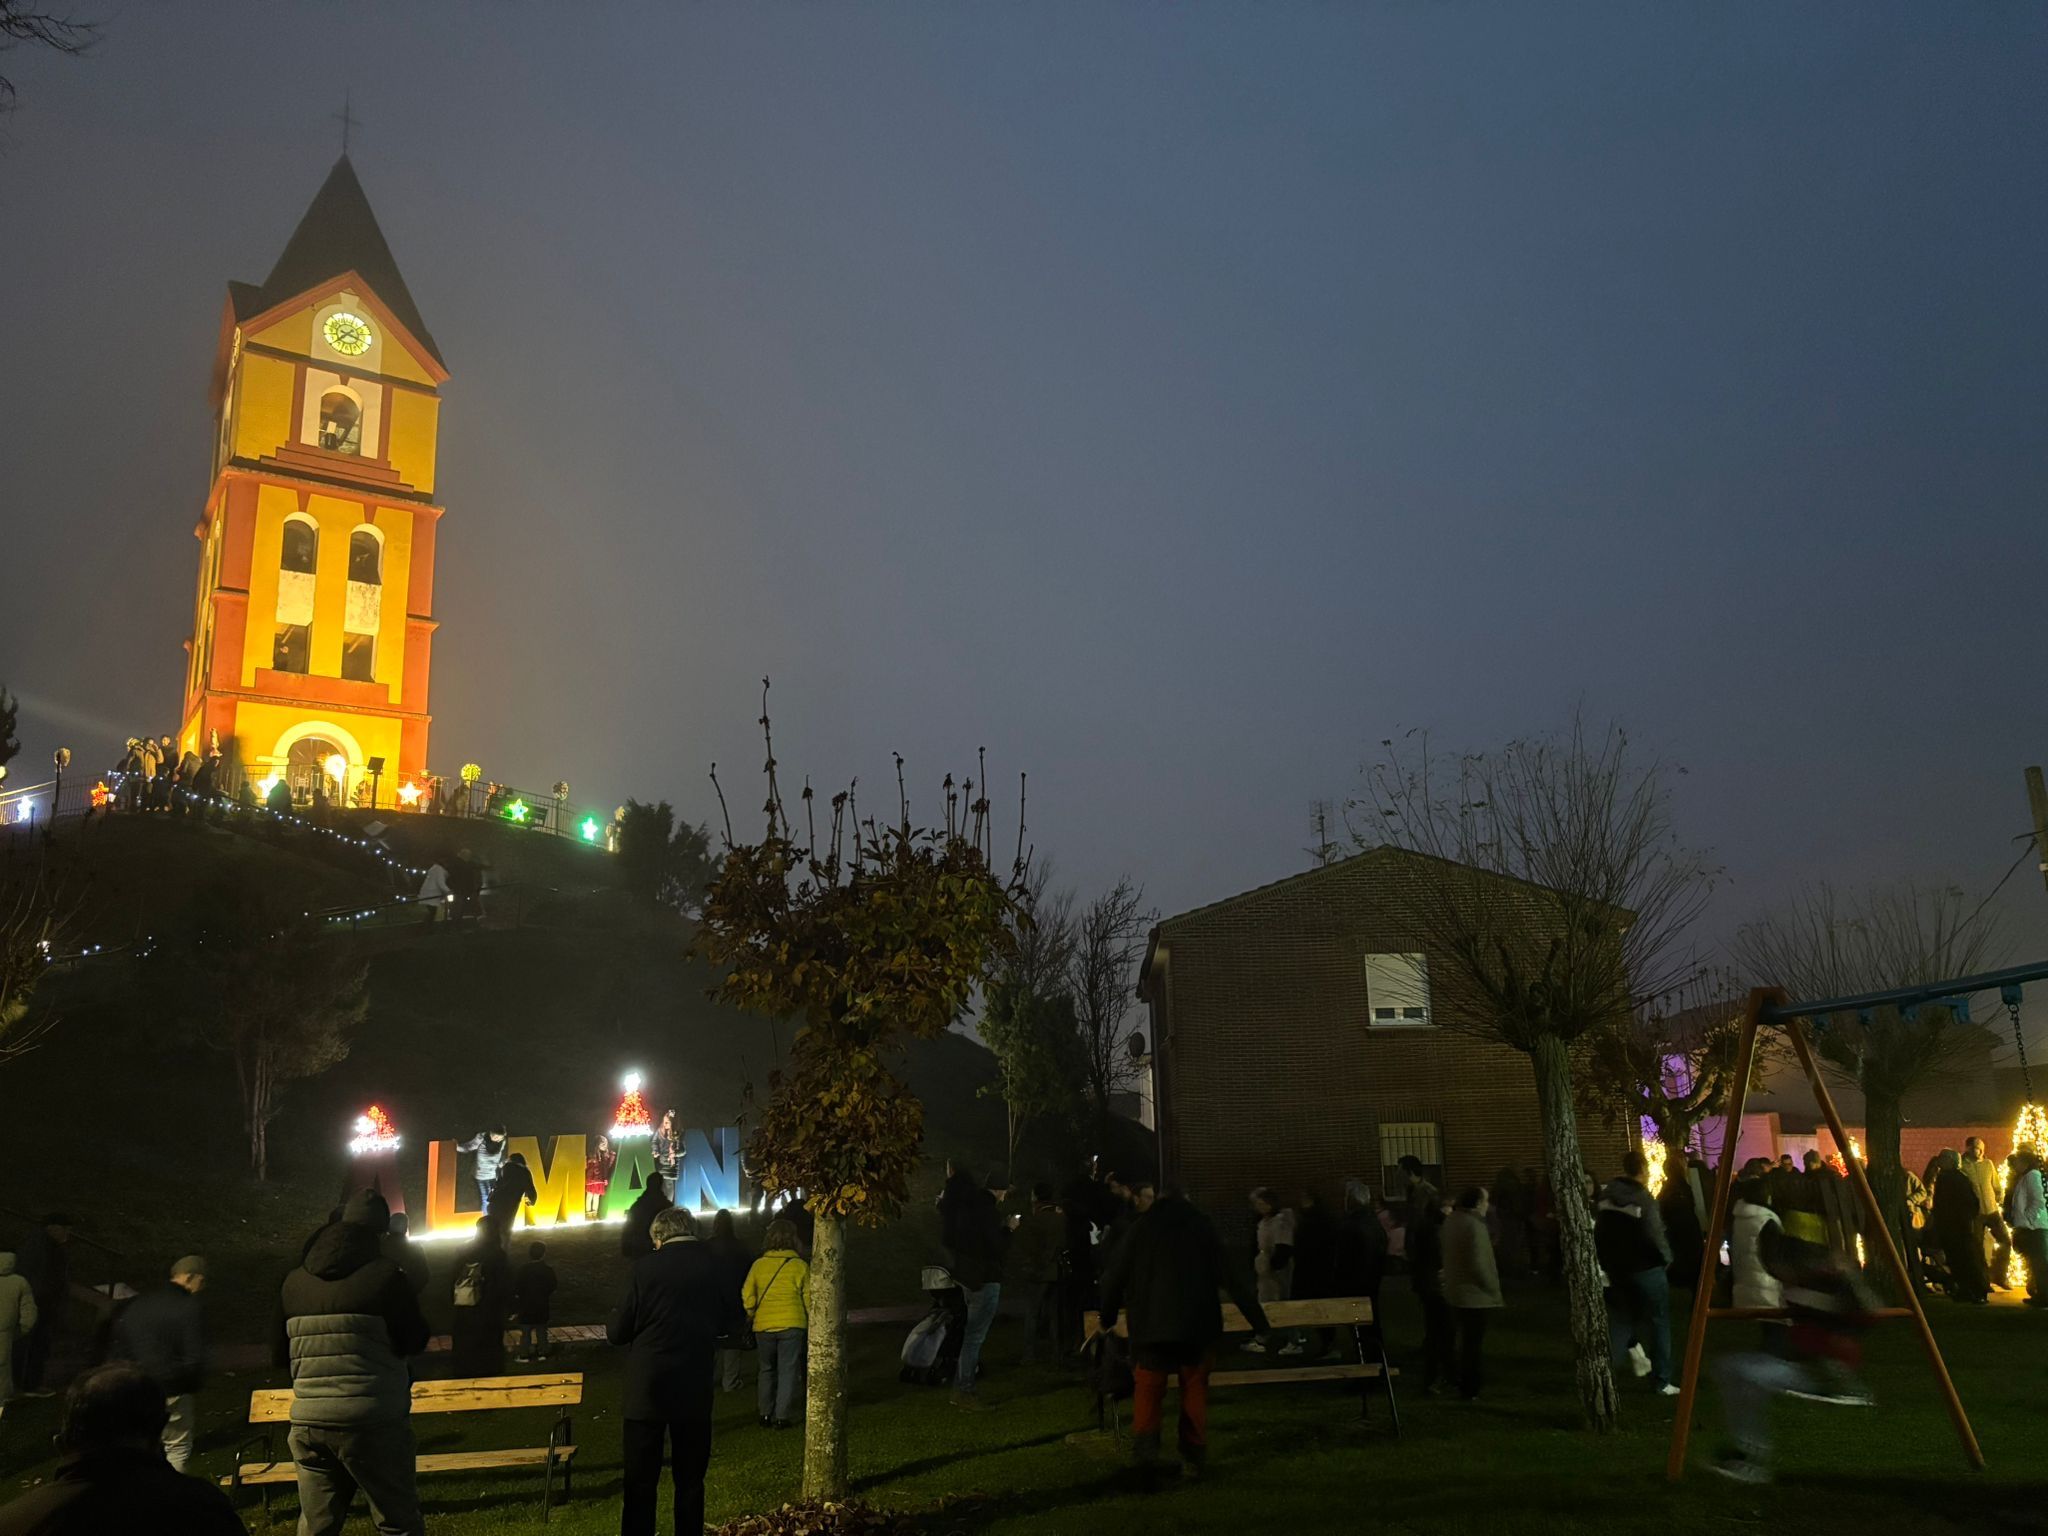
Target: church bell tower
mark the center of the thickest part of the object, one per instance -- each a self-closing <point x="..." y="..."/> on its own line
<point x="312" y="638"/>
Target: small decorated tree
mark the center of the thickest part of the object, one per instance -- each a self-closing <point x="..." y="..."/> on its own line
<point x="875" y="938"/>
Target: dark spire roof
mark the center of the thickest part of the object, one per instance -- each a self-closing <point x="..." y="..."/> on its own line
<point x="338" y="234"/>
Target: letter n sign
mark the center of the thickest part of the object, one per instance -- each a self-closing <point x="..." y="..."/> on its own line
<point x="709" y="1180"/>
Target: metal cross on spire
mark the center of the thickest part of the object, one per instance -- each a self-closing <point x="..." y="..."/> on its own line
<point x="347" y="119"/>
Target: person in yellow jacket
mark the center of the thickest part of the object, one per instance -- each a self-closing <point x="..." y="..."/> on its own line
<point x="775" y="1298"/>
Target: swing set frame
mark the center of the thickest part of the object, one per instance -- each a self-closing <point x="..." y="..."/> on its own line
<point x="1771" y="1008"/>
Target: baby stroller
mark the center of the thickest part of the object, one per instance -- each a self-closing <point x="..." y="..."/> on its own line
<point x="931" y="1352"/>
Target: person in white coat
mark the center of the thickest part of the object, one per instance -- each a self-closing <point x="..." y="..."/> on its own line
<point x="2027" y="1217"/>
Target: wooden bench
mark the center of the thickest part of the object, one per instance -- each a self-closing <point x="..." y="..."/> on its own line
<point x="1352" y="1312"/>
<point x="481" y="1394"/>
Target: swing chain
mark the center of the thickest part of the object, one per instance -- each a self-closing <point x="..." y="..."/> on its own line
<point x="2010" y="996"/>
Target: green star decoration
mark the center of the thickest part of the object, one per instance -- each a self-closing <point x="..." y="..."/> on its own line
<point x="516" y="811"/>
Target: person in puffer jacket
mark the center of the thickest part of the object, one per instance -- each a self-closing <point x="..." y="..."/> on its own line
<point x="350" y="1319"/>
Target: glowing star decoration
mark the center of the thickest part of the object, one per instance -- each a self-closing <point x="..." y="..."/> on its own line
<point x="374" y="1133"/>
<point x="632" y="1118"/>
<point x="408" y="794"/>
<point x="517" y="811"/>
<point x="348" y="334"/>
<point x="592" y="829"/>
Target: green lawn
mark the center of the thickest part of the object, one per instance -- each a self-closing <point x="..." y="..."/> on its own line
<point x="1295" y="1460"/>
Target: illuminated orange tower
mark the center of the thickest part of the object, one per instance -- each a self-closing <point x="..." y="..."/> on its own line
<point x="313" y="634"/>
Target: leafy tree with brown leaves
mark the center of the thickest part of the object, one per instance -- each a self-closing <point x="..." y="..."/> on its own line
<point x="877" y="938"/>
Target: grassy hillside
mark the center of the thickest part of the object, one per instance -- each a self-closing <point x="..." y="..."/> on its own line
<point x="127" y="1120"/>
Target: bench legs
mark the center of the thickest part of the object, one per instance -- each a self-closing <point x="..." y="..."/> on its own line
<point x="561" y="1434"/>
<point x="1379" y="1348"/>
<point x="267" y="1441"/>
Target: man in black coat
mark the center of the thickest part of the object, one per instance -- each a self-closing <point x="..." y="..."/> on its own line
<point x="113" y="1476"/>
<point x="977" y="1240"/>
<point x="350" y="1320"/>
<point x="1167" y="1271"/>
<point x="677" y="1306"/>
<point x="161" y="1331"/>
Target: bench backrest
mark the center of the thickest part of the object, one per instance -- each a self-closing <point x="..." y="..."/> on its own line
<point x="1333" y="1312"/>
<point x="468" y="1395"/>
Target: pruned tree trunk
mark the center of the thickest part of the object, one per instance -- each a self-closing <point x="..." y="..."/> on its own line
<point x="1591" y="1367"/>
<point x="825" y="1399"/>
<point x="1887" y="1175"/>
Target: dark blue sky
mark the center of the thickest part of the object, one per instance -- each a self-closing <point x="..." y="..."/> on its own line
<point x="1176" y="399"/>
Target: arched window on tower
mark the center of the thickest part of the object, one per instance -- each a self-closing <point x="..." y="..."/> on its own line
<point x="365" y="557"/>
<point x="301" y="546"/>
<point x="341" y="421"/>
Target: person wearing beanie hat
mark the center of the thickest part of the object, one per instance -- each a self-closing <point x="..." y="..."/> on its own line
<point x="350" y="1321"/>
<point x="161" y="1331"/>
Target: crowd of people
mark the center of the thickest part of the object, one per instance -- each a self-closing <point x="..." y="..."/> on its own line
<point x="1114" y="1246"/>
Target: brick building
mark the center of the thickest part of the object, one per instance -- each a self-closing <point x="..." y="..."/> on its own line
<point x="1302" y="1034"/>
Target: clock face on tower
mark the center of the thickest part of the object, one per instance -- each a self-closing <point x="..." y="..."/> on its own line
<point x="348" y="334"/>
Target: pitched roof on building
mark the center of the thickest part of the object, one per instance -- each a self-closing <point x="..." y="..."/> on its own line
<point x="338" y="234"/>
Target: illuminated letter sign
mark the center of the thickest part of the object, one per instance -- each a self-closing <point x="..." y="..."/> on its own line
<point x="707" y="1178"/>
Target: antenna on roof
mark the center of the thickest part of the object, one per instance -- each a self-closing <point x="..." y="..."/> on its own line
<point x="347" y="119"/>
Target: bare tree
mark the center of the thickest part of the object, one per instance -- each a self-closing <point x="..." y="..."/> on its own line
<point x="1820" y="945"/>
<point x="21" y="22"/>
<point x="1109" y="941"/>
<point x="1558" y="897"/>
<point x="262" y="985"/>
<point x="1027" y="1017"/>
<point x="34" y="921"/>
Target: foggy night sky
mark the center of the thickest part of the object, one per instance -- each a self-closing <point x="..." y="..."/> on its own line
<point x="1175" y="399"/>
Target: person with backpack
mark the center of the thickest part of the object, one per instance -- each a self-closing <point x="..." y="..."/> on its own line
<point x="1167" y="1273"/>
<point x="774" y="1296"/>
<point x="481" y="1293"/>
<point x="1628" y="1235"/>
<point x="533" y="1291"/>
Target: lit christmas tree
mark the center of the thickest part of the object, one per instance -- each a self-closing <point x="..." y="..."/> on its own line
<point x="374" y="1134"/>
<point x="632" y="1118"/>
